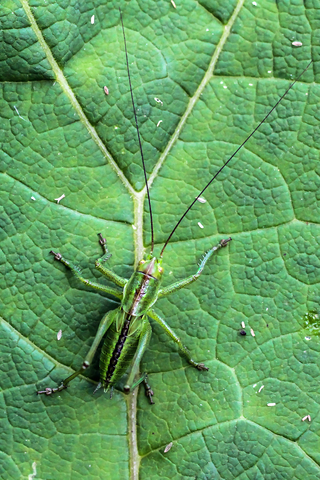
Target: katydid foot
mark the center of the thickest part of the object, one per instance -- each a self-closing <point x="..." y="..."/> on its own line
<point x="57" y="256"/>
<point x="50" y="391"/>
<point x="148" y="390"/>
<point x="102" y="240"/>
<point x="103" y="243"/>
<point x="201" y="366"/>
<point x="225" y="241"/>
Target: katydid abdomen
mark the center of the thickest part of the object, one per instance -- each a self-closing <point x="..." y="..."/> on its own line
<point x="119" y="348"/>
<point x="130" y="322"/>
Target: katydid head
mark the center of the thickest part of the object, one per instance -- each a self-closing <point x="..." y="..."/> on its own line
<point x="151" y="266"/>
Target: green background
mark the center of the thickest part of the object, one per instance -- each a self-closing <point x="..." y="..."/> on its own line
<point x="60" y="134"/>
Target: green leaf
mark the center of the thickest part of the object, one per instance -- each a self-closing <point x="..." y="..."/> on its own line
<point x="204" y="75"/>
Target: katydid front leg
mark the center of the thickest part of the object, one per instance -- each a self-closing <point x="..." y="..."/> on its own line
<point x="108" y="273"/>
<point x="183" y="349"/>
<point x="98" y="286"/>
<point x="183" y="283"/>
<point x="102" y="329"/>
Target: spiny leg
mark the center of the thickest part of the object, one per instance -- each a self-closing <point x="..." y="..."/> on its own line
<point x="103" y="243"/>
<point x="148" y="390"/>
<point x="183" y="349"/>
<point x="76" y="271"/>
<point x="103" y="327"/>
<point x="106" y="271"/>
<point x="183" y="283"/>
<point x="142" y="346"/>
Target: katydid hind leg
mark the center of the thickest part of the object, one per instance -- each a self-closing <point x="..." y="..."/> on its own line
<point x="182" y="348"/>
<point x="144" y="339"/>
<point x="102" y="329"/>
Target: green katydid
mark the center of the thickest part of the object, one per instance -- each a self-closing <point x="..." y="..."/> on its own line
<point x="126" y="330"/>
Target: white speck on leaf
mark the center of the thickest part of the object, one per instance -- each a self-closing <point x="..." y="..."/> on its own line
<point x="252" y="332"/>
<point x="106" y="90"/>
<point x="200" y="224"/>
<point x="59" y="335"/>
<point x="159" y="123"/>
<point x="58" y="200"/>
<point x="243" y="325"/>
<point x="254" y="3"/>
<point x="173" y="4"/>
<point x="19" y="113"/>
<point x="271" y="404"/>
<point x="307" y="417"/>
<point x="158" y="100"/>
<point x="33" y="198"/>
<point x="262" y="386"/>
<point x="297" y="44"/>
<point x="168" y="447"/>
<point x="201" y="200"/>
<point x="307" y="338"/>
<point x="92" y="20"/>
<point x="34" y="471"/>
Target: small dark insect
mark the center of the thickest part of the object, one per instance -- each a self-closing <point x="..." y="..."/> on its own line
<point x="242" y="332"/>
